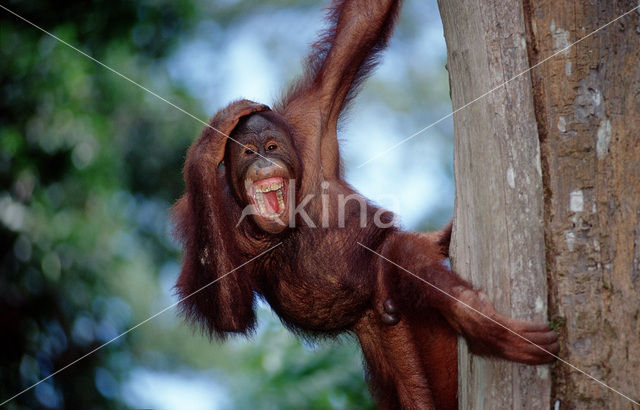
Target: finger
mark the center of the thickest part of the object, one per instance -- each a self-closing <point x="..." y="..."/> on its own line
<point x="531" y="343"/>
<point x="545" y="353"/>
<point x="554" y="348"/>
<point x="226" y="119"/>
<point x="542" y="338"/>
<point x="527" y="326"/>
<point x="249" y="107"/>
<point x="533" y="354"/>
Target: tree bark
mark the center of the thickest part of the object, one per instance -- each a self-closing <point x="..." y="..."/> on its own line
<point x="547" y="171"/>
<point x="587" y="102"/>
<point x="498" y="233"/>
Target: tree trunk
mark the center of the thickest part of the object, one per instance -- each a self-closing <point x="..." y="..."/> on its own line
<point x="587" y="103"/>
<point x="549" y="163"/>
<point x="498" y="235"/>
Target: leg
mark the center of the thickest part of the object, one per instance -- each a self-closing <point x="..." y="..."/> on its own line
<point x="412" y="359"/>
<point x="396" y="376"/>
<point x="437" y="344"/>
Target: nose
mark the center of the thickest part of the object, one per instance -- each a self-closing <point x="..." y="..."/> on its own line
<point x="263" y="163"/>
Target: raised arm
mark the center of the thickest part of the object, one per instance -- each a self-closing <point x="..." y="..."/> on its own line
<point x="339" y="62"/>
<point x="205" y="219"/>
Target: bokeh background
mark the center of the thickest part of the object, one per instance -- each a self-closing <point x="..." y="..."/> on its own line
<point x="90" y="165"/>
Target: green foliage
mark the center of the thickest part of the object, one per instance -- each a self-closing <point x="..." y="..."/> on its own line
<point x="288" y="373"/>
<point x="89" y="167"/>
<point x="557" y="323"/>
<point x="72" y="135"/>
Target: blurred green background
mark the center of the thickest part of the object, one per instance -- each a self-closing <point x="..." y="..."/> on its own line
<point x="90" y="165"/>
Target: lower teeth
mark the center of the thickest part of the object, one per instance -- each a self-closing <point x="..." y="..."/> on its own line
<point x="259" y="198"/>
<point x="280" y="197"/>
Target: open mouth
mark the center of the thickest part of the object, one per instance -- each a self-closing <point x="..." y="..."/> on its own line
<point x="269" y="196"/>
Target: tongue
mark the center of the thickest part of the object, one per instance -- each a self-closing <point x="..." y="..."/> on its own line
<point x="271" y="202"/>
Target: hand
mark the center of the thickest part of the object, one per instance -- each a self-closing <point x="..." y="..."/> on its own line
<point x="226" y="119"/>
<point x="222" y="124"/>
<point x="491" y="333"/>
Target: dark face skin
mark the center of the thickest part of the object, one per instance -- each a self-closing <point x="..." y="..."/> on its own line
<point x="262" y="181"/>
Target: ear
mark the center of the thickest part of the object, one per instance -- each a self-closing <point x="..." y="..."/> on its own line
<point x="223" y="123"/>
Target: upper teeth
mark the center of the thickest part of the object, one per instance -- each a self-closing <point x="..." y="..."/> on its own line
<point x="271" y="187"/>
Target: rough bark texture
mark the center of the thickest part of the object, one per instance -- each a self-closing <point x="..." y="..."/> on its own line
<point x="587" y="103"/>
<point x="498" y="236"/>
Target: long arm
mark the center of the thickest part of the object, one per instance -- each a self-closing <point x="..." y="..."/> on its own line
<point x="424" y="283"/>
<point x="204" y="219"/>
<point x="339" y="62"/>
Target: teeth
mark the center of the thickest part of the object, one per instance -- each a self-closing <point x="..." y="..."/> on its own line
<point x="259" y="197"/>
<point x="280" y="197"/>
<point x="272" y="187"/>
<point x="260" y="200"/>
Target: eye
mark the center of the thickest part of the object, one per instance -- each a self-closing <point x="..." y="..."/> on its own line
<point x="249" y="151"/>
<point x="271" y="147"/>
